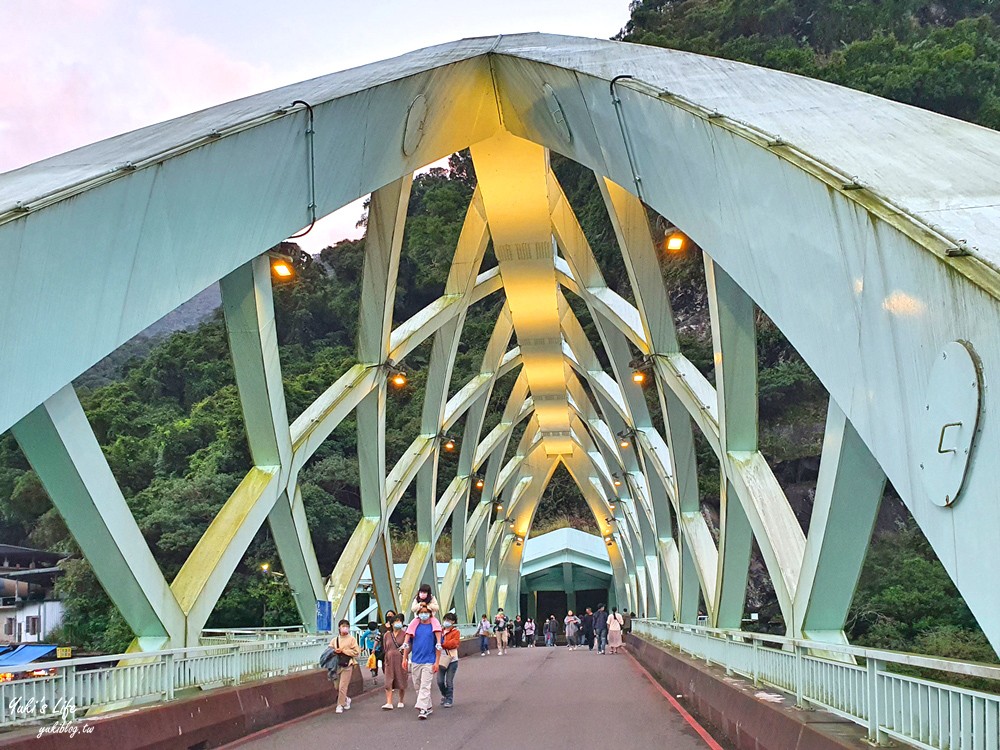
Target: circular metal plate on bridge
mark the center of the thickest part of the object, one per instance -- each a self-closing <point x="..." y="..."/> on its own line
<point x="414" y="132"/>
<point x="949" y="422"/>
<point x="556" y="112"/>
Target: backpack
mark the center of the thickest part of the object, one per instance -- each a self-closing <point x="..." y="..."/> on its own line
<point x="452" y="639"/>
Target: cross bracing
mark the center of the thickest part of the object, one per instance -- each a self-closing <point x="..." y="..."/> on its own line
<point x="863" y="228"/>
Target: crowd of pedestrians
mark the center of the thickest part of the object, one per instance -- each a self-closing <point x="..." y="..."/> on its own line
<point x="426" y="649"/>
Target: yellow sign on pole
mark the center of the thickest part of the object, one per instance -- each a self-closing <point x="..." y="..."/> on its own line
<point x="64" y="652"/>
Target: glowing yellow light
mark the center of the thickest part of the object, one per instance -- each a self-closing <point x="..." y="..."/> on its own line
<point x="265" y="567"/>
<point x="675" y="241"/>
<point x="480" y="483"/>
<point x="282" y="269"/>
<point x="624" y="443"/>
<point x="499" y="508"/>
<point x="618" y="482"/>
<point x="449" y="445"/>
<point x="612" y="507"/>
<point x="638" y="377"/>
<point x="399" y="379"/>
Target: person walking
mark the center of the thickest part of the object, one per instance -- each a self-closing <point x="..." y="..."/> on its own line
<point x="483" y="631"/>
<point x="451" y="639"/>
<point x="369" y="646"/>
<point x="551" y="630"/>
<point x="627" y="618"/>
<point x="616" y="624"/>
<point x="587" y="628"/>
<point x="601" y="628"/>
<point x="423" y="654"/>
<point x="424" y="596"/>
<point x="500" y="623"/>
<point x="572" y="623"/>
<point x="347" y="650"/>
<point x="518" y="641"/>
<point x="529" y="632"/>
<point x="393" y="641"/>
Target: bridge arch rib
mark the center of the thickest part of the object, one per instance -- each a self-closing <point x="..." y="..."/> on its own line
<point x="876" y="208"/>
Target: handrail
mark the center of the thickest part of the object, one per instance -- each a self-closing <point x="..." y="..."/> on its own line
<point x="939" y="663"/>
<point x="70" y="687"/>
<point x="925" y="713"/>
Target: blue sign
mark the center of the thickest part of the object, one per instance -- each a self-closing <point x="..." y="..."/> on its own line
<point x="324" y="616"/>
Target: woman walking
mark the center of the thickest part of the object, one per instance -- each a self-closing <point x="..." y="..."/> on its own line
<point x="500" y="623"/>
<point x="572" y="623"/>
<point x="529" y="632"/>
<point x="483" y="632"/>
<point x="451" y="639"/>
<point x="518" y="641"/>
<point x="347" y="649"/>
<point x="615" y="624"/>
<point x="392" y="662"/>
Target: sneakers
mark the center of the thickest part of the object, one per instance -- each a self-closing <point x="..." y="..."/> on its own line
<point x="483" y="653"/>
<point x="348" y="706"/>
<point x="446" y="704"/>
<point x="424" y="713"/>
<point x="340" y="709"/>
<point x="387" y="707"/>
<point x="400" y="705"/>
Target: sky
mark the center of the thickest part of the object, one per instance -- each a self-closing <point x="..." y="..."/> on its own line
<point x="78" y="71"/>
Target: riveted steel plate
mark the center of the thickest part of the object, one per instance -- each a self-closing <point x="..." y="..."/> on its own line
<point x="414" y="132"/>
<point x="556" y="112"/>
<point x="950" y="420"/>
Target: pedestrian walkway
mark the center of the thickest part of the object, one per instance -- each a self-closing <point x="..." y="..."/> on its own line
<point x="548" y="697"/>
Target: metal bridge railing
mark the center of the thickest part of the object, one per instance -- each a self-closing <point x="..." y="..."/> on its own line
<point x="917" y="711"/>
<point x="65" y="689"/>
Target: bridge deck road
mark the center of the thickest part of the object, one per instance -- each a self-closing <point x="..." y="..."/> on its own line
<point x="542" y="697"/>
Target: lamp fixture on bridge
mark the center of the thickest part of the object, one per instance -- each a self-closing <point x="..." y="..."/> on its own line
<point x="396" y="376"/>
<point x="286" y="261"/>
<point x="674" y="240"/>
<point x="447" y="442"/>
<point x="499" y="507"/>
<point x="616" y="480"/>
<point x="518" y="540"/>
<point x="478" y="482"/>
<point x="609" y="540"/>
<point x="640" y="365"/>
<point x="625" y="437"/>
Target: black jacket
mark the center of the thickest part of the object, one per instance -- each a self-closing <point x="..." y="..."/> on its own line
<point x="601" y="620"/>
<point x="587" y="623"/>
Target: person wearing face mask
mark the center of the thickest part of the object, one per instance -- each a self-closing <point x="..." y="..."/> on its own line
<point x="425" y="597"/>
<point x="500" y="631"/>
<point x="529" y="632"/>
<point x="447" y="667"/>
<point x="423" y="654"/>
<point x="394" y="671"/>
<point x="347" y="649"/>
<point x="483" y="631"/>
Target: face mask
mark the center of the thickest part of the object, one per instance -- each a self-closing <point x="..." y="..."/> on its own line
<point x="446" y="624"/>
<point x="345" y="631"/>
<point x="397" y="626"/>
<point x="424" y="616"/>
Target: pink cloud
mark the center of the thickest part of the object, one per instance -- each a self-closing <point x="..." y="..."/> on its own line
<point x="85" y="70"/>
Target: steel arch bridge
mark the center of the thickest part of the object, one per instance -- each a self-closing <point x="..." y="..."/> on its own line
<point x="866" y="230"/>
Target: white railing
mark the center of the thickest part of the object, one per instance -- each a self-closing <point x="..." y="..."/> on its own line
<point x="214" y="636"/>
<point x="917" y="711"/>
<point x="68" y="688"/>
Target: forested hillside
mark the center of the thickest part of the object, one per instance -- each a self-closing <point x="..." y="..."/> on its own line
<point x="170" y="421"/>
